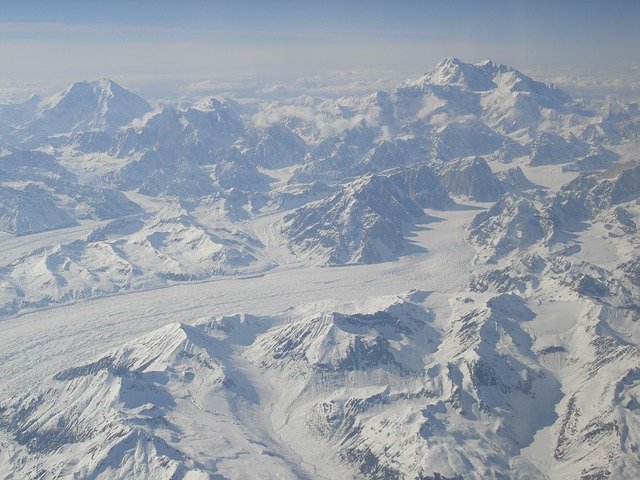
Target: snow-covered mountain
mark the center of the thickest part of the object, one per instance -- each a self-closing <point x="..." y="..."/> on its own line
<point x="196" y="132"/>
<point x="28" y="210"/>
<point x="507" y="211"/>
<point x="511" y="224"/>
<point x="343" y="381"/>
<point x="361" y="223"/>
<point x="99" y="105"/>
<point x="159" y="172"/>
<point x="39" y="194"/>
<point x="378" y="389"/>
<point x="550" y="148"/>
<point x="130" y="253"/>
<point x="273" y="147"/>
<point x="17" y="113"/>
<point x="502" y="96"/>
<point x="594" y="353"/>
<point x="473" y="178"/>
<point x="124" y="412"/>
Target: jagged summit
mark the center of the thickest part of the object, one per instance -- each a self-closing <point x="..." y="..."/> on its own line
<point x="453" y="71"/>
<point x="354" y="225"/>
<point x="484" y="76"/>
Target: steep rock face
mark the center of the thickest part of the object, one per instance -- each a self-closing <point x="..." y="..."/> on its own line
<point x="599" y="158"/>
<point x="465" y="138"/>
<point x="197" y="133"/>
<point x="361" y="223"/>
<point x="364" y="221"/>
<point x="423" y="186"/>
<point x="473" y="178"/>
<point x="516" y="179"/>
<point x="273" y="147"/>
<point x="511" y="224"/>
<point x="550" y="148"/>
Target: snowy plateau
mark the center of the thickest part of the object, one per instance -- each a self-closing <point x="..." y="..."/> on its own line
<point x="441" y="281"/>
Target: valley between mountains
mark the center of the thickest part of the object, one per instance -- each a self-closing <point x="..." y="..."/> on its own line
<point x="440" y="281"/>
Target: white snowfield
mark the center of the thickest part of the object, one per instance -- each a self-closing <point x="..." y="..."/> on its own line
<point x="437" y="282"/>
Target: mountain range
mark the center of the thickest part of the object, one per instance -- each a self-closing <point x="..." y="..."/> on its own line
<point x="440" y="281"/>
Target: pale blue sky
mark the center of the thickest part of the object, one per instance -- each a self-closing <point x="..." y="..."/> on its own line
<point x="170" y="43"/>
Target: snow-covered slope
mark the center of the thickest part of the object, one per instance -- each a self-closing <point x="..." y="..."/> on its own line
<point x="274" y="147"/>
<point x="511" y="224"/>
<point x="122" y="415"/>
<point x="464" y="138"/>
<point x="14" y="114"/>
<point x="550" y="148"/>
<point x="389" y="391"/>
<point x="472" y="177"/>
<point x="378" y="389"/>
<point x="99" y="105"/>
<point x="28" y="210"/>
<point x="195" y="133"/>
<point x="515" y="208"/>
<point x="361" y="223"/>
<point x="129" y="254"/>
<point x="160" y="173"/>
<point x="502" y="96"/>
<point x="39" y="194"/>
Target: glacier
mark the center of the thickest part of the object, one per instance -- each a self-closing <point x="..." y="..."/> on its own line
<point x="439" y="281"/>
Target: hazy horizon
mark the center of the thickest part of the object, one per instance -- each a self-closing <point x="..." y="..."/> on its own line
<point x="361" y="259"/>
<point x="166" y="50"/>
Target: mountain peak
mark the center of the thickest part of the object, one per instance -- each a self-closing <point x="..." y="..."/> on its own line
<point x="97" y="87"/>
<point x="485" y="76"/>
<point x="488" y="63"/>
<point x="454" y="72"/>
<point x="451" y="61"/>
<point x="88" y="105"/>
<point x="105" y="83"/>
